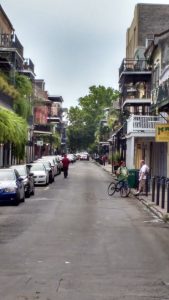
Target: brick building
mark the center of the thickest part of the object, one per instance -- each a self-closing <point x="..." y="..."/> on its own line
<point x="148" y="19"/>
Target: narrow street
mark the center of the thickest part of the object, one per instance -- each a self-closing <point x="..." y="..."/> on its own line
<point x="72" y="241"/>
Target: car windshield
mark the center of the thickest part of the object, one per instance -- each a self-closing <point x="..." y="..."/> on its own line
<point x="37" y="167"/>
<point x="46" y="164"/>
<point x="51" y="160"/>
<point x="6" y="175"/>
<point x="21" y="170"/>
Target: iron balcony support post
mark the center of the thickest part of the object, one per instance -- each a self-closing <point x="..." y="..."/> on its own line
<point x="163" y="193"/>
<point x="167" y="196"/>
<point x="153" y="188"/>
<point x="158" y="191"/>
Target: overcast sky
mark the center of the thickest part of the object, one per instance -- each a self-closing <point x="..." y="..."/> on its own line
<point x="73" y="43"/>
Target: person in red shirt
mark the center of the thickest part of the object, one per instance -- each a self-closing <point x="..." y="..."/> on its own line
<point x="65" y="162"/>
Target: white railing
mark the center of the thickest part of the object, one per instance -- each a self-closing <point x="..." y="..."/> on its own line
<point x="143" y="123"/>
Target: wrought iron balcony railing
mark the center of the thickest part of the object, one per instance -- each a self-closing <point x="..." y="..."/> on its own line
<point x="28" y="65"/>
<point x="143" y="123"/>
<point x="136" y="93"/>
<point x="42" y="127"/>
<point x="134" y="65"/>
<point x="10" y="41"/>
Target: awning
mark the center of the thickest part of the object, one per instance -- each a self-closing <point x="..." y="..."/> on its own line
<point x="115" y="133"/>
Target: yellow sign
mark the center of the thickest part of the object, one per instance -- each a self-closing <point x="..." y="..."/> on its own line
<point x="162" y="133"/>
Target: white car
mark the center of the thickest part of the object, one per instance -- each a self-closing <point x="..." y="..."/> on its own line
<point x="59" y="161"/>
<point x="48" y="167"/>
<point x="53" y="162"/>
<point x="40" y="174"/>
<point x="71" y="157"/>
<point x="84" y="156"/>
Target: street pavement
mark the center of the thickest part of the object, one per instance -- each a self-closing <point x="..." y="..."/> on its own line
<point x="146" y="200"/>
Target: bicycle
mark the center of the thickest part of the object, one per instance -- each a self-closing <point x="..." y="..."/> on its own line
<point x="119" y="186"/>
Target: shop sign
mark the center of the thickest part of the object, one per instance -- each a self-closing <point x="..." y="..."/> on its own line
<point x="162" y="133"/>
<point x="39" y="143"/>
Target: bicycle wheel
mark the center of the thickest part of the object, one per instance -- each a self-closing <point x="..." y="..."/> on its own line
<point x="111" y="189"/>
<point x="124" y="191"/>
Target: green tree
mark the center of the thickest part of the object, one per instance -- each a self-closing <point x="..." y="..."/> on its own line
<point x="83" y="130"/>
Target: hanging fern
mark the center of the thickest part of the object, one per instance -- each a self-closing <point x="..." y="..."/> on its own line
<point x="22" y="107"/>
<point x="12" y="128"/>
<point x="22" y="104"/>
<point x="8" y="89"/>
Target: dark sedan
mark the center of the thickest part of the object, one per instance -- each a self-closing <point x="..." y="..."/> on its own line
<point x="11" y="187"/>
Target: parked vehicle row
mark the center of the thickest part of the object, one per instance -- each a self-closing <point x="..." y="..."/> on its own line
<point x="19" y="181"/>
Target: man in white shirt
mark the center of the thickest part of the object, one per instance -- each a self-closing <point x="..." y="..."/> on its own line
<point x="144" y="169"/>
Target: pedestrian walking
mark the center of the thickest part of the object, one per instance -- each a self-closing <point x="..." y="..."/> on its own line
<point x="143" y="175"/>
<point x="65" y="162"/>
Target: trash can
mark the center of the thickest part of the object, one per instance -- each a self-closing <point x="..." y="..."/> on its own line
<point x="133" y="178"/>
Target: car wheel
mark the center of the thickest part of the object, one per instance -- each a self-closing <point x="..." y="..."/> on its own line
<point x="17" y="200"/>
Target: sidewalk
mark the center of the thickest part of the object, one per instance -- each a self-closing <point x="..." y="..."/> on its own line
<point x="146" y="200"/>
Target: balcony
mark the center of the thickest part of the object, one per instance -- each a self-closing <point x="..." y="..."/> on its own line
<point x="136" y="67"/>
<point x="136" y="101"/>
<point x="11" y="53"/>
<point x="143" y="125"/>
<point x="28" y="68"/>
<point x="40" y="95"/>
<point x="54" y="119"/>
<point x="10" y="42"/>
<point x="136" y="95"/>
<point x="42" y="129"/>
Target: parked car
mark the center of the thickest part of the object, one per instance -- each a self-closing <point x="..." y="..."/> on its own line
<point x="53" y="161"/>
<point x="40" y="174"/>
<point x="84" y="156"/>
<point x="48" y="167"/>
<point x="71" y="157"/>
<point x="28" y="180"/>
<point x="59" y="161"/>
<point x="11" y="187"/>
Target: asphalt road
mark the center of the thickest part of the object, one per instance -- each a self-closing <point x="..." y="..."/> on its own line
<point x="72" y="241"/>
